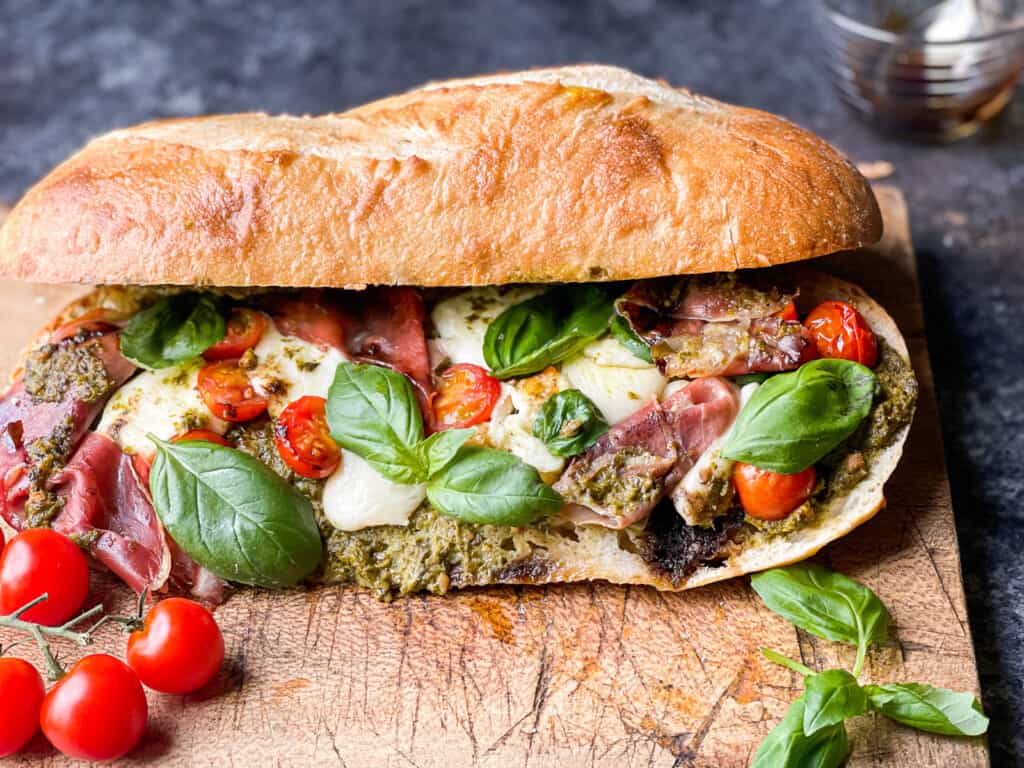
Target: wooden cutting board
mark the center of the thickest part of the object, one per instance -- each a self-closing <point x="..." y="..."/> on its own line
<point x="579" y="675"/>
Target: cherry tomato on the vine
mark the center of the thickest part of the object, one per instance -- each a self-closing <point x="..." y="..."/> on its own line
<point x="179" y="649"/>
<point x="304" y="439"/>
<point x="771" y="495"/>
<point x="97" y="711"/>
<point x="840" y="331"/>
<point x="228" y="392"/>
<point x="21" y="696"/>
<point x="245" y="329"/>
<point x="207" y="435"/>
<point x="40" y="560"/>
<point x="466" y="395"/>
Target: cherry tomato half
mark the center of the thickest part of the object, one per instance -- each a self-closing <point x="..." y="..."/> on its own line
<point x="789" y="313"/>
<point x="40" y="560"/>
<point x="304" y="439"/>
<point x="21" y="696"/>
<point x="207" y="435"/>
<point x="179" y="649"/>
<point x="245" y="329"/>
<point x="97" y="711"/>
<point x="466" y="395"/>
<point x="771" y="495"/>
<point x="228" y="392"/>
<point x="840" y="331"/>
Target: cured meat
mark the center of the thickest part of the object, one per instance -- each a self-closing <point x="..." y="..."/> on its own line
<point x="620" y="478"/>
<point x="107" y="508"/>
<point x="716" y="326"/>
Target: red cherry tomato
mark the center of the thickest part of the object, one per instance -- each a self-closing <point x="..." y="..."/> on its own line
<point x="40" y="560"/>
<point x="228" y="393"/>
<point x="179" y="649"/>
<point x="21" y="696"/>
<point x="789" y="313"/>
<point x="202" y="434"/>
<point x="466" y="395"/>
<point x="245" y="329"/>
<point x="97" y="711"/>
<point x="840" y="331"/>
<point x="304" y="439"/>
<point x="771" y="495"/>
<point x="97" y="321"/>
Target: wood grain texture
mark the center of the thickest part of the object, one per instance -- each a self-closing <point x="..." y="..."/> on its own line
<point x="580" y="675"/>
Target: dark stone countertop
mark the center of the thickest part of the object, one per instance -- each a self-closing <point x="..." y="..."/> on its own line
<point x="70" y="69"/>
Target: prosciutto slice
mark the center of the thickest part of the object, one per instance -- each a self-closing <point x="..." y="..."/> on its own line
<point x="379" y="325"/>
<point x="620" y="479"/>
<point x="716" y="326"/>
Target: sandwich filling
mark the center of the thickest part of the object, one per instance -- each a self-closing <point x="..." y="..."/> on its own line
<point x="409" y="440"/>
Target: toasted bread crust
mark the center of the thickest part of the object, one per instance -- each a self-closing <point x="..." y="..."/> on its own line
<point x="565" y="175"/>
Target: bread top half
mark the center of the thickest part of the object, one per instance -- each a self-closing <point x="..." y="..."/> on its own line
<point x="576" y="174"/>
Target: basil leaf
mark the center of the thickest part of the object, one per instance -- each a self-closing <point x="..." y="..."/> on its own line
<point x="568" y="423"/>
<point x="546" y="329"/>
<point x="794" y="419"/>
<point x="787" y="746"/>
<point x="373" y="411"/>
<point x="831" y="697"/>
<point x="438" y="450"/>
<point x="488" y="486"/>
<point x="824" y="603"/>
<point x="926" y="708"/>
<point x="623" y="333"/>
<point x="233" y="515"/>
<point x="172" y="331"/>
<point x="751" y="378"/>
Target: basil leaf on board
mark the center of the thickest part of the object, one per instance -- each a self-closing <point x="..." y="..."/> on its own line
<point x="926" y="708"/>
<point x="787" y="746"/>
<point x="623" y="333"/>
<point x="546" y="329"/>
<point x="373" y="411"/>
<point x="796" y="418"/>
<point x="568" y="423"/>
<point x="831" y="697"/>
<point x="438" y="450"/>
<point x="488" y="486"/>
<point x="233" y="515"/>
<point x="827" y="604"/>
<point x="172" y="331"/>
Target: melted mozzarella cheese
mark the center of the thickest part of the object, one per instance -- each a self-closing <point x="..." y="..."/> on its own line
<point x="357" y="496"/>
<point x="511" y="424"/>
<point x="461" y="321"/>
<point x="164" y="403"/>
<point x="288" y="368"/>
<point x="617" y="381"/>
<point x="698" y="484"/>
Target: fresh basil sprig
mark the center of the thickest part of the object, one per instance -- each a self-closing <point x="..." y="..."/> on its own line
<point x="546" y="329"/>
<point x="623" y="333"/>
<point x="927" y="708"/>
<point x="173" y="331"/>
<point x="794" y="419"/>
<point x="568" y="423"/>
<point x="233" y="515"/>
<point x="373" y="412"/>
<point x="836" y="607"/>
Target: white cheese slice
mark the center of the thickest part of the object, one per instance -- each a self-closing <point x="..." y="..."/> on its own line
<point x="511" y="428"/>
<point x="357" y="496"/>
<point x="165" y="403"/>
<point x="461" y="321"/>
<point x="288" y="368"/>
<point x="617" y="381"/>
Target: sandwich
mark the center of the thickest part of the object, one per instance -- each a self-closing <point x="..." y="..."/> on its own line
<point x="537" y="327"/>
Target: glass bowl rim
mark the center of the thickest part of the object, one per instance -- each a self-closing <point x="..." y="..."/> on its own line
<point x="876" y="34"/>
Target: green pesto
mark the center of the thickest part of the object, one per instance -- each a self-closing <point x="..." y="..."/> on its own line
<point x="48" y="455"/>
<point x="56" y="369"/>
<point x="613" y="484"/>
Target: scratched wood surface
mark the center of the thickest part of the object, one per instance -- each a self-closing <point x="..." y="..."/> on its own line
<point x="579" y="675"/>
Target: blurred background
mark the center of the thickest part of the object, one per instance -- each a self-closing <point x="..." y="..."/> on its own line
<point x="70" y="69"/>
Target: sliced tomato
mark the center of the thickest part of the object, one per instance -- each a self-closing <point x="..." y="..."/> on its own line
<point x="789" y="313"/>
<point x="840" y="331"/>
<point x="207" y="435"/>
<point x="304" y="439"/>
<point x="245" y="329"/>
<point x="466" y="395"/>
<point x="228" y="392"/>
<point x="97" y="321"/>
<point x="771" y="495"/>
